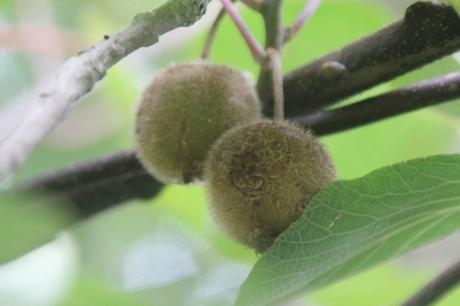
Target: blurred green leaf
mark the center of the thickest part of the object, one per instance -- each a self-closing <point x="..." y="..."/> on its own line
<point x="158" y="256"/>
<point x="352" y="225"/>
<point x="28" y="222"/>
<point x="455" y="4"/>
<point x="372" y="287"/>
<point x="6" y="9"/>
<point x="359" y="151"/>
<point x="90" y="291"/>
<point x="189" y="204"/>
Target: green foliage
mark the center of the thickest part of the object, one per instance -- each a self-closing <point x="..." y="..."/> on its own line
<point x="352" y="225"/>
<point x="455" y="4"/>
<point x="372" y="287"/>
<point x="89" y="291"/>
<point x="28" y="222"/>
<point x="394" y="140"/>
<point x="159" y="258"/>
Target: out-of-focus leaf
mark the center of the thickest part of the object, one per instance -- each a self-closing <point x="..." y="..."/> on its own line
<point x="45" y="274"/>
<point x="158" y="256"/>
<point x="455" y="4"/>
<point x="27" y="222"/>
<point x="189" y="204"/>
<point x="372" y="287"/>
<point x="361" y="150"/>
<point x="352" y="225"/>
<point x="90" y="291"/>
<point x="6" y="8"/>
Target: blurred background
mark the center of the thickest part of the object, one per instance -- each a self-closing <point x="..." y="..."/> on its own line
<point x="168" y="251"/>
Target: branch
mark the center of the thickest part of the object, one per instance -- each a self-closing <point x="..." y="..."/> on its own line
<point x="396" y="102"/>
<point x="399" y="48"/>
<point x="97" y="185"/>
<point x="428" y="32"/>
<point x="299" y="89"/>
<point x="100" y="184"/>
<point x="80" y="73"/>
<point x="444" y="282"/>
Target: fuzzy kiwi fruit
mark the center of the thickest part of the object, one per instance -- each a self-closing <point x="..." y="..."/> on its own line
<point x="183" y="111"/>
<point x="261" y="175"/>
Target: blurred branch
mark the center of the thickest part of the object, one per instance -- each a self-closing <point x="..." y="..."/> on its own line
<point x="81" y="72"/>
<point x="428" y="32"/>
<point x="94" y="186"/>
<point x="446" y="281"/>
<point x="396" y="102"/>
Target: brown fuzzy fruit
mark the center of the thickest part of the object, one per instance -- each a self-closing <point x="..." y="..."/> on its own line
<point x="183" y="111"/>
<point x="261" y="175"/>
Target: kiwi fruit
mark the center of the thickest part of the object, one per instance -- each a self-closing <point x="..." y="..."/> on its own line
<point x="261" y="175"/>
<point x="183" y="112"/>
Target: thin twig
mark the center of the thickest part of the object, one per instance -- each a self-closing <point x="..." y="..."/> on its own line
<point x="396" y="102"/>
<point x="278" y="94"/>
<point x="303" y="18"/>
<point x="428" y="32"/>
<point x="439" y="286"/>
<point x="212" y="34"/>
<point x="80" y="73"/>
<point x="257" y="51"/>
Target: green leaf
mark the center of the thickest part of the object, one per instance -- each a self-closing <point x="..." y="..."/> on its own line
<point x="352" y="225"/>
<point x="92" y="291"/>
<point x="455" y="4"/>
<point x="28" y="222"/>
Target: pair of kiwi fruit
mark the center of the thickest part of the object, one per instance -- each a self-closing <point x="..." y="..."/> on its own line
<point x="202" y="121"/>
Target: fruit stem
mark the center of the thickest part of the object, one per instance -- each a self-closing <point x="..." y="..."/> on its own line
<point x="277" y="79"/>
<point x="274" y="31"/>
<point x="256" y="49"/>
